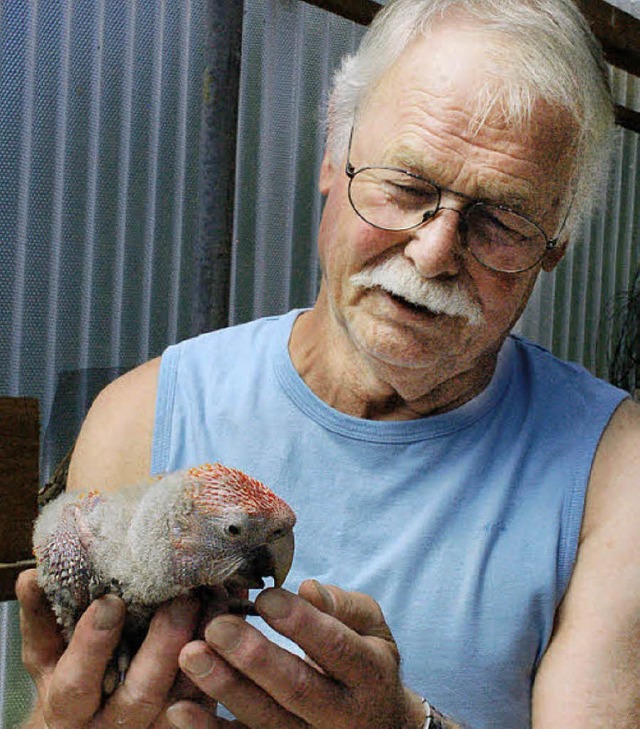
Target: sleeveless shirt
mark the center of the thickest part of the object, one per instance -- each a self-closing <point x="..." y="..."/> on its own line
<point x="463" y="526"/>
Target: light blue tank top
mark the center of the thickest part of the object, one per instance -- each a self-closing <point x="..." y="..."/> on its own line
<point x="464" y="526"/>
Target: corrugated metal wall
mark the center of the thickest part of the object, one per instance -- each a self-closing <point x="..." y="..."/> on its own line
<point x="290" y="50"/>
<point x="99" y="121"/>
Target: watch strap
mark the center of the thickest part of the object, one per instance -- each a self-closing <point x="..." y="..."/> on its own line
<point x="434" y="719"/>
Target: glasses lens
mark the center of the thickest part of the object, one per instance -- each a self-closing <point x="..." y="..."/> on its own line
<point x="502" y="239"/>
<point x="392" y="199"/>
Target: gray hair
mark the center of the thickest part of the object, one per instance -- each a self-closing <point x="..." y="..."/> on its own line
<point x="545" y="51"/>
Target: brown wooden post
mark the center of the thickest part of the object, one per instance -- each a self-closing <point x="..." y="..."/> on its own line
<point x="19" y="459"/>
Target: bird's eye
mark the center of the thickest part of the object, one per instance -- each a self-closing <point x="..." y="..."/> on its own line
<point x="234" y="530"/>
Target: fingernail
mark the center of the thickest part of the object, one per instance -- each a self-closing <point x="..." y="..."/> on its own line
<point x="180" y="717"/>
<point x="109" y="613"/>
<point x="325" y="595"/>
<point x="198" y="665"/>
<point x="185" y="716"/>
<point x="223" y="634"/>
<point x="274" y="604"/>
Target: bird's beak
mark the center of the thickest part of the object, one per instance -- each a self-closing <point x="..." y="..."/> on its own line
<point x="281" y="554"/>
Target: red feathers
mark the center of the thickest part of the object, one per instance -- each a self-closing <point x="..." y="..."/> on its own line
<point x="218" y="487"/>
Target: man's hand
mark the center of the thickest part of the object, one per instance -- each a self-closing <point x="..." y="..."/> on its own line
<point x="350" y="679"/>
<point x="69" y="679"/>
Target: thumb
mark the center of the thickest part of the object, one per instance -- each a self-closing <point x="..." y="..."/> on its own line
<point x="42" y="643"/>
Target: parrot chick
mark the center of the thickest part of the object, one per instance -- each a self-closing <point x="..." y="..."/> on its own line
<point x="204" y="527"/>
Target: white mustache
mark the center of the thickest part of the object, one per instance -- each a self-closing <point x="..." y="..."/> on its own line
<point x="399" y="277"/>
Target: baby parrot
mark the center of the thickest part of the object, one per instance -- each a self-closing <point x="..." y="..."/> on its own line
<point x="204" y="527"/>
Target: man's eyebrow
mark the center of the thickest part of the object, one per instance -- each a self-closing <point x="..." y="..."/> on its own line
<point x="407" y="159"/>
<point x="491" y="193"/>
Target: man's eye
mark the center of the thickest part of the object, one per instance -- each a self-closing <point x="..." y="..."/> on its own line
<point x="408" y="190"/>
<point x="411" y="194"/>
<point x="509" y="228"/>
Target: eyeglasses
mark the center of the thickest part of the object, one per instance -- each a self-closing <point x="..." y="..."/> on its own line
<point x="393" y="199"/>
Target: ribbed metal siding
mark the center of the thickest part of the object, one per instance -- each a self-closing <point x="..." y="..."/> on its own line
<point x="100" y="108"/>
<point x="290" y="50"/>
<point x="99" y="130"/>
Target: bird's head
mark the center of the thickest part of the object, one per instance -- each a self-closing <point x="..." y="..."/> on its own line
<point x="233" y="532"/>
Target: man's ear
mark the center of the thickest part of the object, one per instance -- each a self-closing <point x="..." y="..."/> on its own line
<point x="327" y="173"/>
<point x="553" y="257"/>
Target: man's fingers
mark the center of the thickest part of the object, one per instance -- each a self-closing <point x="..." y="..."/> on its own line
<point x="154" y="667"/>
<point x="42" y="643"/>
<point x="247" y="696"/>
<point x="75" y="689"/>
<point x="345" y="653"/>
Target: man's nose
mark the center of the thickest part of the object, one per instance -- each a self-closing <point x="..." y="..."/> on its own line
<point x="436" y="246"/>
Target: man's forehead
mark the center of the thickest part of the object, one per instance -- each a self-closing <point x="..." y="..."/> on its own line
<point x="406" y="123"/>
<point x="460" y="69"/>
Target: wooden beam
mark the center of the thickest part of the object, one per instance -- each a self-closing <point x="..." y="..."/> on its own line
<point x="19" y="459"/>
<point x="217" y="166"/>
<point x="359" y="11"/>
<point x="628" y="118"/>
<point x="617" y="31"/>
<point x="8" y="576"/>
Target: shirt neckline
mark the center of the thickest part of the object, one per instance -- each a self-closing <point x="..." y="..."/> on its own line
<point x="386" y="431"/>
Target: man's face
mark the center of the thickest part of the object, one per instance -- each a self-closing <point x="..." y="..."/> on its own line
<point x="417" y="118"/>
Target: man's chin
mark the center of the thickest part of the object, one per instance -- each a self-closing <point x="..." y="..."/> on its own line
<point x="399" y="343"/>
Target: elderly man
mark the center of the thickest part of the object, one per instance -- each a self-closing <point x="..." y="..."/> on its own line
<point x="475" y="499"/>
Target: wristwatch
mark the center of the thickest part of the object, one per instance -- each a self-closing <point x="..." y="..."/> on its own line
<point x="434" y="719"/>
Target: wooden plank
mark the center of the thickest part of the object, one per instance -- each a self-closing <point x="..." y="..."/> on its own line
<point x="628" y="118"/>
<point x="8" y="576"/>
<point x="19" y="457"/>
<point x="359" y="11"/>
<point x="617" y="31"/>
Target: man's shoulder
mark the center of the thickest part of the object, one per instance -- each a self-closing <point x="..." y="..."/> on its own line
<point x="557" y="376"/>
<point x="114" y="445"/>
<point x="614" y="487"/>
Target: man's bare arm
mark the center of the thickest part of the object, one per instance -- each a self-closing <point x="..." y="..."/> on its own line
<point x="590" y="675"/>
<point x="114" y="445"/>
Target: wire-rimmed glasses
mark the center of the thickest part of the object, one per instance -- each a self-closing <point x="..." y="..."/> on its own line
<point x="394" y="199"/>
